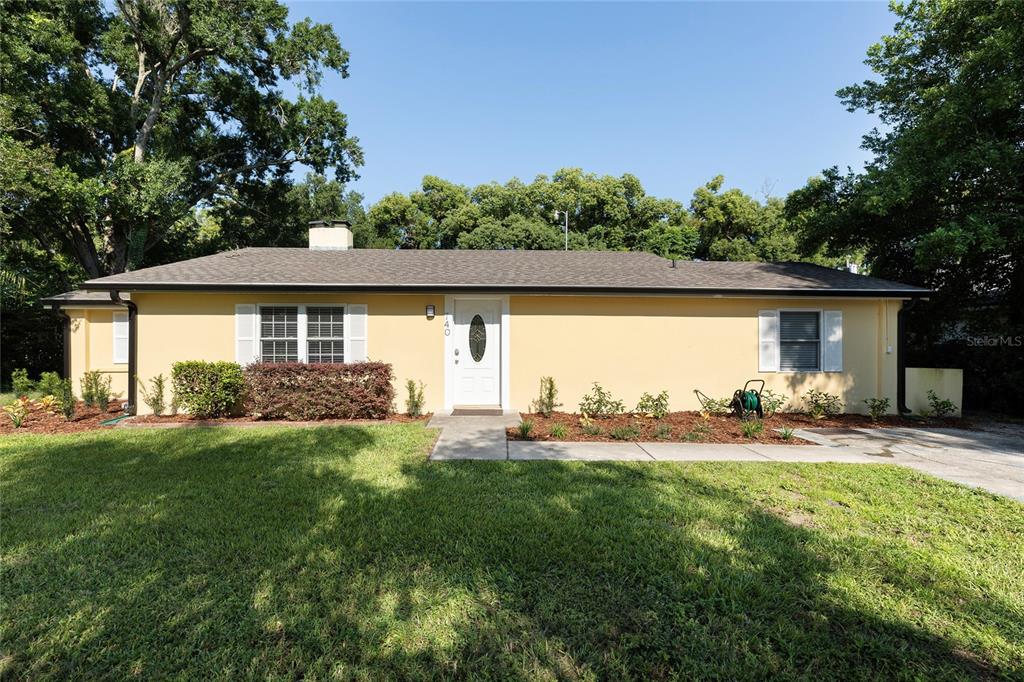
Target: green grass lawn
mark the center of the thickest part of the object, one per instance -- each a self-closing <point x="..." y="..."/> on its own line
<point x="342" y="553"/>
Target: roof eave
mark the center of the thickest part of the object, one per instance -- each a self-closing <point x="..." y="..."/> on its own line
<point x="524" y="289"/>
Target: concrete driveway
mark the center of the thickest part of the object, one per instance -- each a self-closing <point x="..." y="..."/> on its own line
<point x="990" y="456"/>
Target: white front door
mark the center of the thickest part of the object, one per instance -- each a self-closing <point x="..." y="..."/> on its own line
<point x="476" y="360"/>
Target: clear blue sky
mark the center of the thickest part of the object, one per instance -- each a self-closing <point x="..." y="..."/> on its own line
<point x="673" y="93"/>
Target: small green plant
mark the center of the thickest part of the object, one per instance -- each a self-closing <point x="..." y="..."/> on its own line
<point x="877" y="407"/>
<point x="786" y="433"/>
<point x="591" y="429"/>
<point x="49" y="383"/>
<point x="547" y="399"/>
<point x="752" y="428"/>
<point x="653" y="406"/>
<point x="698" y="433"/>
<point x="821" y="404"/>
<point x="772" y="402"/>
<point x="414" y="401"/>
<point x="558" y="431"/>
<point x="66" y="399"/>
<point x="154" y="395"/>
<point x="89" y="383"/>
<point x="48" y="403"/>
<point x="939" y="407"/>
<point x="103" y="392"/>
<point x="17" y="411"/>
<point x="717" y="405"/>
<point x="20" y="382"/>
<point x="600" y="403"/>
<point x="663" y="432"/>
<point x="629" y="432"/>
<point x="525" y="429"/>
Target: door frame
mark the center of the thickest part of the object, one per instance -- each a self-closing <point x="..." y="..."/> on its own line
<point x="449" y="347"/>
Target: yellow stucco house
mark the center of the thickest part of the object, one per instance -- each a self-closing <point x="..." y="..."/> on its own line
<point x="480" y="328"/>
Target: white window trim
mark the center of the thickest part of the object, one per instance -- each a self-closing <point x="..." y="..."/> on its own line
<point x="821" y="340"/>
<point x="302" y="333"/>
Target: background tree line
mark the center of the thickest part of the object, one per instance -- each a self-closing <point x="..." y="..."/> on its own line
<point x="160" y="130"/>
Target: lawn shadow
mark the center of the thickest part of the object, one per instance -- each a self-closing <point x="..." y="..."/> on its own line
<point x="321" y="553"/>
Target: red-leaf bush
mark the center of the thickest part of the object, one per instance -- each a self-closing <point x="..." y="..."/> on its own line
<point x="296" y="391"/>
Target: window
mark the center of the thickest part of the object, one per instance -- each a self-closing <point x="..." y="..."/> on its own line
<point x="477" y="338"/>
<point x="120" y="338"/>
<point x="325" y="327"/>
<point x="279" y="334"/>
<point x="799" y="341"/>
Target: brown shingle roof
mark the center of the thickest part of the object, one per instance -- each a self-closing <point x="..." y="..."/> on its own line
<point x="580" y="271"/>
<point x="81" y="298"/>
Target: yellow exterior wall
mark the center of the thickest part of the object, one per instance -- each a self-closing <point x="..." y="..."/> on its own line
<point x="635" y="344"/>
<point x="92" y="349"/>
<point x="628" y="344"/>
<point x="201" y="326"/>
<point x="948" y="384"/>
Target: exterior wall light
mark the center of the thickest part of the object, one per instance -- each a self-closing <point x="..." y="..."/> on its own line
<point x="430" y="312"/>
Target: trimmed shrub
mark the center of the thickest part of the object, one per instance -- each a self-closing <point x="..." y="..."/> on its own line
<point x="207" y="389"/>
<point x="295" y="391"/>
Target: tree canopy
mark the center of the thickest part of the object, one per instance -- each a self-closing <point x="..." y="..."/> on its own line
<point x="942" y="201"/>
<point x="117" y="125"/>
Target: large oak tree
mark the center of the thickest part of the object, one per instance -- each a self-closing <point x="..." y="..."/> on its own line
<point x="116" y="125"/>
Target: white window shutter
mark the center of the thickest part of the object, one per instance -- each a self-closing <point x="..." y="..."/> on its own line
<point x="246" y="343"/>
<point x="768" y="340"/>
<point x="832" y="341"/>
<point x="120" y="338"/>
<point x="355" y="333"/>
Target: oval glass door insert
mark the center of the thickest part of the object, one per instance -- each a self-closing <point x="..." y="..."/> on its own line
<point x="477" y="338"/>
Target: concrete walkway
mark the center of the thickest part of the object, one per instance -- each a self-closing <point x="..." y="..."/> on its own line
<point x="991" y="457"/>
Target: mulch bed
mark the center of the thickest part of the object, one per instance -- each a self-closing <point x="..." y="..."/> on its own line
<point x="40" y="421"/>
<point x="691" y="427"/>
<point x="184" y="420"/>
<point x="89" y="418"/>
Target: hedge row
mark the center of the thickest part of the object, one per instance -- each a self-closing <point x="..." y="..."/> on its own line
<point x="360" y="390"/>
<point x="292" y="391"/>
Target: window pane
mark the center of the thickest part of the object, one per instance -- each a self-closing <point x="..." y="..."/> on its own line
<point x="798" y="355"/>
<point x="799" y="326"/>
<point x="325" y="351"/>
<point x="477" y="338"/>
<point x="279" y="322"/>
<point x="325" y="322"/>
<point x="279" y="351"/>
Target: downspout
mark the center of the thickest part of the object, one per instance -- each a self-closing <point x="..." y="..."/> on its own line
<point x="901" y="356"/>
<point x="65" y="320"/>
<point x="133" y="311"/>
